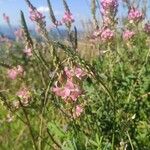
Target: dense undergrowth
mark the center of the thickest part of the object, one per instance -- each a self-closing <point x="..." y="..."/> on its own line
<point x="77" y="95"/>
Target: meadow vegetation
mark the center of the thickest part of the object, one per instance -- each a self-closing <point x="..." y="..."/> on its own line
<point x="77" y="94"/>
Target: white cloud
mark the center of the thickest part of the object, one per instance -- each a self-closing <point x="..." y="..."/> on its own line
<point x="43" y="9"/>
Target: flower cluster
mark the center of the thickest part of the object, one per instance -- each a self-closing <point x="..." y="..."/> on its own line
<point x="147" y="28"/>
<point x="24" y="95"/>
<point x="135" y="15"/>
<point x="15" y="72"/>
<point x="70" y="91"/>
<point x="68" y="18"/>
<point x="78" y="72"/>
<point x="109" y="4"/>
<point x="107" y="35"/>
<point x="36" y="15"/>
<point x="127" y="35"/>
<point x="104" y="35"/>
<point x="109" y="8"/>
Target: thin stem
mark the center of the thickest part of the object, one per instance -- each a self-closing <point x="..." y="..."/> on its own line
<point x="130" y="140"/>
<point x="43" y="110"/>
<point x="29" y="126"/>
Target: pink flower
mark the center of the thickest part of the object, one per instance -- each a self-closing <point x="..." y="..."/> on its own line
<point x="69" y="72"/>
<point x="107" y="34"/>
<point x="68" y="18"/>
<point x="147" y="28"/>
<point x="109" y="4"/>
<point x="24" y="95"/>
<point x="127" y="35"/>
<point x="108" y="11"/>
<point x="78" y="72"/>
<point x="28" y="51"/>
<point x="78" y="111"/>
<point x="135" y="15"/>
<point x="69" y="91"/>
<point x="75" y="92"/>
<point x="6" y="18"/>
<point x="60" y="91"/>
<point x="12" y="73"/>
<point x="15" y="72"/>
<point x="19" y="34"/>
<point x="36" y="15"/>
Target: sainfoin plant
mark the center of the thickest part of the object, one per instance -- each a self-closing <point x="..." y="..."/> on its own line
<point x="85" y="90"/>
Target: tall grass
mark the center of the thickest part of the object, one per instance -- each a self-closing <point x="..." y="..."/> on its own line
<point x="80" y="94"/>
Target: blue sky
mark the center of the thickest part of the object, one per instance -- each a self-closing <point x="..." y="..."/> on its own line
<point x="79" y="8"/>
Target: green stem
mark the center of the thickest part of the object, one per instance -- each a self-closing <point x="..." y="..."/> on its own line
<point x="130" y="140"/>
<point x="29" y="126"/>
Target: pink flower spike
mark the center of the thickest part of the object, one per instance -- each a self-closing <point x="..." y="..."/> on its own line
<point x="68" y="18"/>
<point x="109" y="4"/>
<point x="36" y="15"/>
<point x="107" y="34"/>
<point x="135" y="15"/>
<point x="127" y="35"/>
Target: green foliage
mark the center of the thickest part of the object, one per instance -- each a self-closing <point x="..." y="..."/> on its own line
<point x="115" y="100"/>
